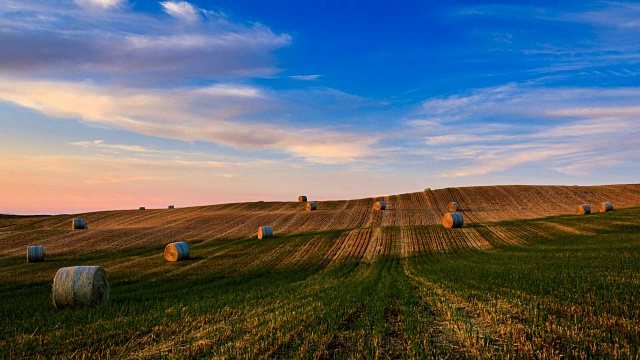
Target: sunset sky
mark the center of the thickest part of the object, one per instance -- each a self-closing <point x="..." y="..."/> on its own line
<point x="115" y="104"/>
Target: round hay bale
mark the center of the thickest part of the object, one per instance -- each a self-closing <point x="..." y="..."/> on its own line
<point x="583" y="209"/>
<point x="78" y="223"/>
<point x="265" y="232"/>
<point x="605" y="206"/>
<point x="302" y="198"/>
<point x="35" y="253"/>
<point x="453" y="206"/>
<point x="170" y="207"/>
<point x="310" y="206"/>
<point x="379" y="205"/>
<point x="141" y="208"/>
<point x="80" y="286"/>
<point x="452" y="220"/>
<point x="177" y="251"/>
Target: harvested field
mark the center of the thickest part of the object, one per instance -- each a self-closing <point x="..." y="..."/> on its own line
<point x="132" y="228"/>
<point x="524" y="278"/>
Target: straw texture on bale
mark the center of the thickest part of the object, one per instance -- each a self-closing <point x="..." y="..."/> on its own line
<point x="78" y="223"/>
<point x="177" y="251"/>
<point x="380" y="205"/>
<point x="265" y="232"/>
<point x="453" y="207"/>
<point x="35" y="253"/>
<point x="141" y="208"/>
<point x="583" y="209"/>
<point x="605" y="206"/>
<point x="310" y="206"/>
<point x="170" y="207"/>
<point x="302" y="198"/>
<point x="452" y="220"/>
<point x="80" y="286"/>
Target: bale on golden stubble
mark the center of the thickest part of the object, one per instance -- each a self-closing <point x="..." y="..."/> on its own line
<point x="583" y="209"/>
<point x="379" y="205"/>
<point x="452" y="220"/>
<point x="310" y="206"/>
<point x="302" y="198"/>
<point x="265" y="232"/>
<point x="605" y="206"/>
<point x="177" y="251"/>
<point x="35" y="253"/>
<point x="170" y="207"/>
<point x="80" y="286"/>
<point x="78" y="224"/>
<point x="453" y="206"/>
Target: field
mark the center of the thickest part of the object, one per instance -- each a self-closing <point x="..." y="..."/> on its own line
<point x="523" y="279"/>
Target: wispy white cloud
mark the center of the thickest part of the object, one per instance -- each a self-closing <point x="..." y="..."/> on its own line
<point x="113" y="180"/>
<point x="514" y="101"/>
<point x="212" y="114"/>
<point x="565" y="129"/>
<point x="101" y="144"/>
<point x="588" y="112"/>
<point x="100" y="4"/>
<point x="182" y="10"/>
<point x="313" y="77"/>
<point x="621" y="15"/>
<point x="130" y="46"/>
<point x="597" y="36"/>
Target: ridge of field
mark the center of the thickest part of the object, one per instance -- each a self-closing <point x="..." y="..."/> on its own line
<point x="479" y="204"/>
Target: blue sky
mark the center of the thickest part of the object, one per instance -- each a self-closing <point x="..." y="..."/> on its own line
<point x="109" y="104"/>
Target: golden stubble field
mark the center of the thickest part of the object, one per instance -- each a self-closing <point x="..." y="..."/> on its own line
<point x="122" y="229"/>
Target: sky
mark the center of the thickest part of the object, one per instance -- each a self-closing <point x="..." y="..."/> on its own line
<point x="116" y="104"/>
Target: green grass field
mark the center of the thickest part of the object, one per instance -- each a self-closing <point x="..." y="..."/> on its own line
<point x="568" y="295"/>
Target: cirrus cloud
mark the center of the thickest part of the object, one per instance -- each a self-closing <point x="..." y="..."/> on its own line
<point x="570" y="130"/>
<point x="181" y="10"/>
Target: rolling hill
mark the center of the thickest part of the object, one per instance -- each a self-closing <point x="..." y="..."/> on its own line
<point x="483" y="204"/>
<point x="525" y="278"/>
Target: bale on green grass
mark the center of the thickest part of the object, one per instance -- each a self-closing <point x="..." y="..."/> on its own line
<point x="379" y="205"/>
<point x="177" y="251"/>
<point x="265" y="232"/>
<point x="78" y="223"/>
<point x="583" y="209"/>
<point x="302" y="198"/>
<point x="80" y="286"/>
<point x="452" y="220"/>
<point x="605" y="206"/>
<point x="170" y="207"/>
<point x="310" y="206"/>
<point x="141" y="208"/>
<point x="453" y="206"/>
<point x="35" y="253"/>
